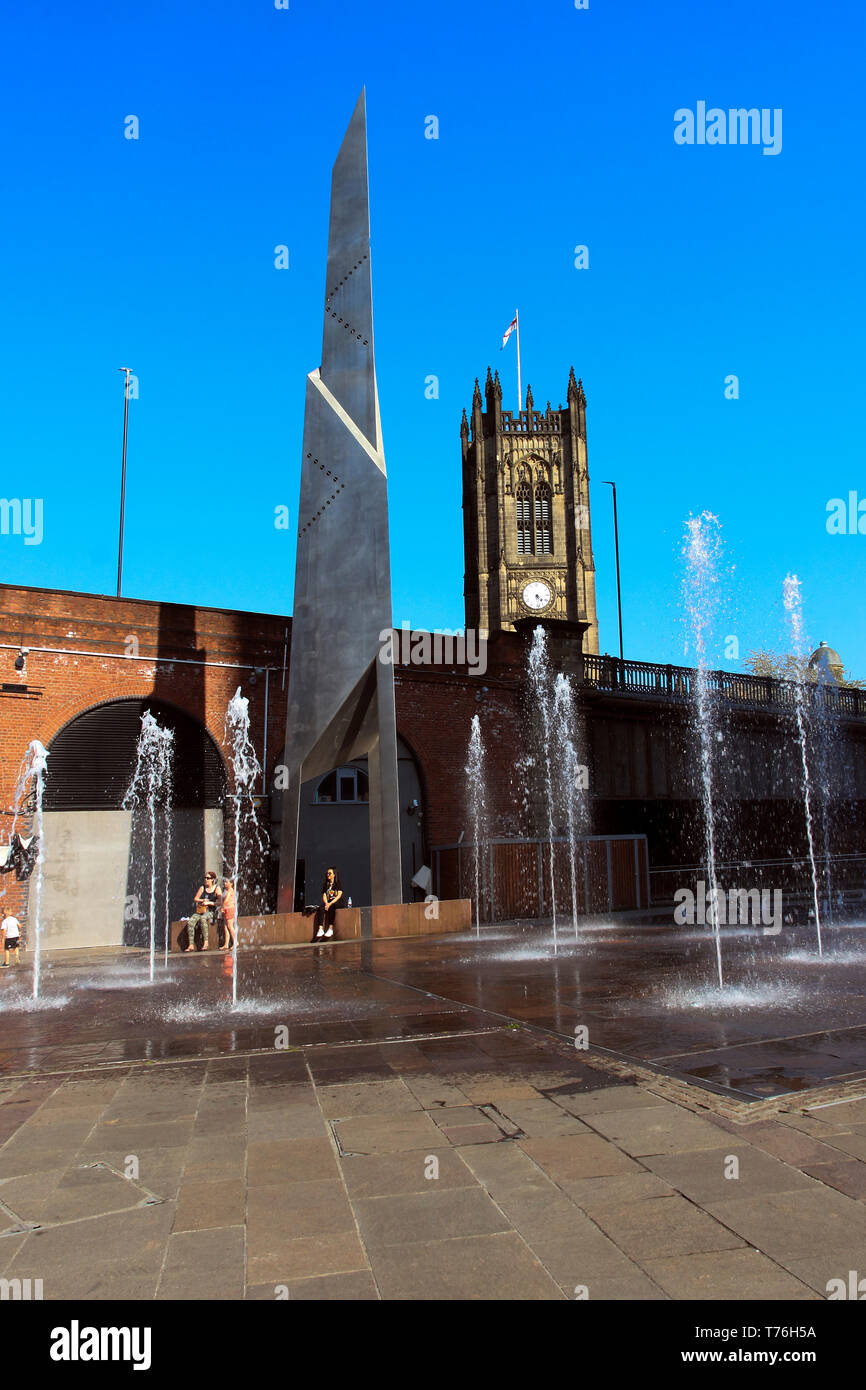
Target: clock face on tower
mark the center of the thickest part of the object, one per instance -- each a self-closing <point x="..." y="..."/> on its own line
<point x="536" y="595"/>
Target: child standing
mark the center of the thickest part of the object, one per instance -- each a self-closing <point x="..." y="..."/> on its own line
<point x="229" y="913"/>
<point x="10" y="928"/>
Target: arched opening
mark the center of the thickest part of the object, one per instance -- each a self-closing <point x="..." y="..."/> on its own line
<point x="334" y="829"/>
<point x="342" y="785"/>
<point x="98" y="884"/>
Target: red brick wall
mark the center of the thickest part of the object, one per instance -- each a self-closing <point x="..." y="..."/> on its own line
<point x="434" y="716"/>
<point x="88" y="636"/>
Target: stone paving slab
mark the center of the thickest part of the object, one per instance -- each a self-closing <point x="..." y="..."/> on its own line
<point x="413" y="1218"/>
<point x="792" y="1225"/>
<point x="851" y="1112"/>
<point x="614" y="1098"/>
<point x="387" y="1133"/>
<point x="94" y="1258"/>
<point x="503" y="1167"/>
<point x="203" y="1265"/>
<point x="491" y="1267"/>
<point x="282" y="1212"/>
<point x="206" y="1205"/>
<point x="849" y="1177"/>
<point x="308" y="1257"/>
<point x="854" y="1144"/>
<point x="657" y="1129"/>
<point x="290" y="1160"/>
<point x="701" y="1175"/>
<point x="821" y="1266"/>
<point x="726" y="1275"/>
<point x="383" y="1175"/>
<point x="593" y="1194"/>
<point x="342" y="1288"/>
<point x="372" y="1098"/>
<point x="656" y="1227"/>
<point x="578" y="1156"/>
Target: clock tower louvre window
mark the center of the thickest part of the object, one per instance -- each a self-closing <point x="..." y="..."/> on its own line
<point x="524" y="519"/>
<point x="543" y="538"/>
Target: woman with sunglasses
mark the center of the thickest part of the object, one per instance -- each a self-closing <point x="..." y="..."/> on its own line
<point x="208" y="896"/>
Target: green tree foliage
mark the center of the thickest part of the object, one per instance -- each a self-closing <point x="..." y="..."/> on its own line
<point x="785" y="666"/>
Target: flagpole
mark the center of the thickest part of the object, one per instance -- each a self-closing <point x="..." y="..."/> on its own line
<point x="123" y="475"/>
<point x="519" y="392"/>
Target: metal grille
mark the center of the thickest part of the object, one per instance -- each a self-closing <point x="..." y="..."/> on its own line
<point x="524" y="519"/>
<point x="92" y="760"/>
<point x="543" y="539"/>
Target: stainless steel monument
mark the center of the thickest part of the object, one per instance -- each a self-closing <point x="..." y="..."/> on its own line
<point x="341" y="696"/>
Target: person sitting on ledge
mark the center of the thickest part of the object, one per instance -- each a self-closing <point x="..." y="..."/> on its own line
<point x="207" y="897"/>
<point x="332" y="896"/>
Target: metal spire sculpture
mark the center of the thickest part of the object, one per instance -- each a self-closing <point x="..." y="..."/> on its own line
<point x="341" y="695"/>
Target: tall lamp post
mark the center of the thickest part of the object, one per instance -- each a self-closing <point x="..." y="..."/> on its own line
<point x="128" y="371"/>
<point x="616" y="543"/>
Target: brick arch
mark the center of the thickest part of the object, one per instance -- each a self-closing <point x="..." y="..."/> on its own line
<point x="158" y="704"/>
<point x="61" y="704"/>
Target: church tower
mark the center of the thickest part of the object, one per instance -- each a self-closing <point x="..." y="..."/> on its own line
<point x="526" y="528"/>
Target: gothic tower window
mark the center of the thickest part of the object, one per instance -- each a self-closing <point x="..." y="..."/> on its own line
<point x="524" y="519"/>
<point x="543" y="534"/>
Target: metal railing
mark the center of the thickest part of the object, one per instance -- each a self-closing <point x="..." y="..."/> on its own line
<point x="652" y="681"/>
<point x="840" y="873"/>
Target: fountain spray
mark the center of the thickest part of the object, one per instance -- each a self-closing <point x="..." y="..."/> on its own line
<point x="702" y="551"/>
<point x="28" y="802"/>
<point x="247" y="770"/>
<point x="794" y="609"/>
<point x="539" y="676"/>
<point x="151" y="786"/>
<point x="825" y="711"/>
<point x="571" y="775"/>
<point x="475" y="773"/>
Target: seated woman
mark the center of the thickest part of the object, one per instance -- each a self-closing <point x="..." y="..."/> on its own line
<point x="332" y="897"/>
<point x="209" y="896"/>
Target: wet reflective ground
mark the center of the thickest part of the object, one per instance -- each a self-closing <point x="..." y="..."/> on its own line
<point x="785" y="1021"/>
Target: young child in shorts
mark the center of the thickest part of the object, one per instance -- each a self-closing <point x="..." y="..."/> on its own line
<point x="10" y="929"/>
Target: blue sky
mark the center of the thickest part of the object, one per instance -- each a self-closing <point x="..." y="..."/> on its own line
<point x="556" y="129"/>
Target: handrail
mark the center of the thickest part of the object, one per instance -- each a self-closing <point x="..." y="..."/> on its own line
<point x="610" y="673"/>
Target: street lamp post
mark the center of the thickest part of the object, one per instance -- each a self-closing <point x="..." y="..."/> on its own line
<point x="128" y="371"/>
<point x="616" y="543"/>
